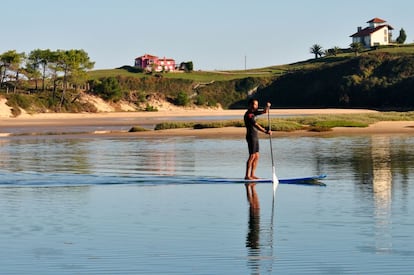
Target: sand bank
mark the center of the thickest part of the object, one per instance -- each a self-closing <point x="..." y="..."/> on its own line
<point x="104" y="123"/>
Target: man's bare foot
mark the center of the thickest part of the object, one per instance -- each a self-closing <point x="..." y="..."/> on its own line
<point x="251" y="178"/>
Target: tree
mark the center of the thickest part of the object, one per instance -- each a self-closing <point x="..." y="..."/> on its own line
<point x="190" y="66"/>
<point x="71" y="63"/>
<point x="402" y="37"/>
<point x="186" y="66"/>
<point x="356" y="47"/>
<point x="32" y="72"/>
<point x="11" y="60"/>
<point x="333" y="51"/>
<point x="16" y="66"/>
<point x="41" y="58"/>
<point x="33" y="64"/>
<point x="336" y="50"/>
<point x="54" y="71"/>
<point x="316" y="50"/>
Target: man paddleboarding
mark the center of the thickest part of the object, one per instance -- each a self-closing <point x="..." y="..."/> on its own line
<point x="252" y="128"/>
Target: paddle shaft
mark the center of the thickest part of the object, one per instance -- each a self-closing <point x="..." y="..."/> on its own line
<point x="270" y="138"/>
<point x="275" y="180"/>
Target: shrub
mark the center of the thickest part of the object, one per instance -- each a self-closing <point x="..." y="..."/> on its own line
<point x="131" y="69"/>
<point x="173" y="125"/>
<point x="137" y="129"/>
<point x="200" y="100"/>
<point x="109" y="89"/>
<point x="18" y="100"/>
<point x="182" y="99"/>
<point x="150" y="108"/>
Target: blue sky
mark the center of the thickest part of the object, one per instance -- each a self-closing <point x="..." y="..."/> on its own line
<point x="214" y="34"/>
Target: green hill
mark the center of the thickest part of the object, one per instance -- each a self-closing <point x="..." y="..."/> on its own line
<point x="376" y="79"/>
<point x="381" y="78"/>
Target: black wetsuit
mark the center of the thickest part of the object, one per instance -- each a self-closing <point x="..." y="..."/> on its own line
<point x="251" y="131"/>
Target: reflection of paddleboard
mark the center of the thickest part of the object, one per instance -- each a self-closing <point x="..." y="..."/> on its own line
<point x="306" y="180"/>
<point x="37" y="179"/>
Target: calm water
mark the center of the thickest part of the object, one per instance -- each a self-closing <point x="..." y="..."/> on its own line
<point x="134" y="206"/>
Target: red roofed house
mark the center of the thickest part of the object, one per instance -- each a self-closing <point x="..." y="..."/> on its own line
<point x="153" y="63"/>
<point x="377" y="33"/>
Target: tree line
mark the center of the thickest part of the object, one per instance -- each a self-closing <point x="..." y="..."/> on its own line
<point x="65" y="67"/>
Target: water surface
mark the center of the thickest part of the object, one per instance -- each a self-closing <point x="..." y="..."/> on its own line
<point x="125" y="206"/>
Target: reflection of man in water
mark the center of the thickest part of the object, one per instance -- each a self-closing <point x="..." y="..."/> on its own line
<point x="252" y="240"/>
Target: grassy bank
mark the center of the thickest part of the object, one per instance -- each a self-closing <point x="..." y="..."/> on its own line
<point x="318" y="123"/>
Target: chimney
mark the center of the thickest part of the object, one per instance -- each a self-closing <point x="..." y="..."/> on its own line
<point x="359" y="29"/>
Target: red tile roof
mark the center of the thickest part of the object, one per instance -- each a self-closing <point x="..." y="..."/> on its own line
<point x="153" y="57"/>
<point x="367" y="31"/>
<point x="147" y="56"/>
<point x="376" y="20"/>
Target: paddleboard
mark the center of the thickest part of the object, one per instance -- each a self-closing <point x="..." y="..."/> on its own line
<point x="305" y="180"/>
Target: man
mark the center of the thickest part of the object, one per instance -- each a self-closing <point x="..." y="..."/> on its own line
<point x="252" y="127"/>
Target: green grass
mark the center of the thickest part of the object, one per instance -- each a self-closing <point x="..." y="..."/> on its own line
<point x="225" y="75"/>
<point x="327" y="125"/>
<point x="197" y="76"/>
<point x="174" y="125"/>
<point x="219" y="124"/>
<point x="397" y="49"/>
<point x="96" y="74"/>
<point x="318" y="123"/>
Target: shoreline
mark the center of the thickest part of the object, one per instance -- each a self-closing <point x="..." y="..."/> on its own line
<point x="181" y="112"/>
<point x="104" y="123"/>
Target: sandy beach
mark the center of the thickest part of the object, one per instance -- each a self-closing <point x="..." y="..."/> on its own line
<point x="67" y="122"/>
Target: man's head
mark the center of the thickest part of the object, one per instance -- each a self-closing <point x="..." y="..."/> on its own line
<point x="253" y="104"/>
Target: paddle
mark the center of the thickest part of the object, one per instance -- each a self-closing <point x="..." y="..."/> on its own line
<point x="275" y="180"/>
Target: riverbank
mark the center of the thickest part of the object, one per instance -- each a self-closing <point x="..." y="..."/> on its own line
<point x="383" y="127"/>
<point x="118" y="123"/>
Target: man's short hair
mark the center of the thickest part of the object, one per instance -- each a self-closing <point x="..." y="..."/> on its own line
<point x="251" y="100"/>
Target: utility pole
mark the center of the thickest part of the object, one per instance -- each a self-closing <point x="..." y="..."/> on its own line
<point x="245" y="62"/>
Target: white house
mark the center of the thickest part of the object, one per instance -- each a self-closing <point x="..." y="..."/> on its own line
<point x="377" y="33"/>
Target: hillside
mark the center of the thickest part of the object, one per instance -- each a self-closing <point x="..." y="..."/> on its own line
<point x="378" y="79"/>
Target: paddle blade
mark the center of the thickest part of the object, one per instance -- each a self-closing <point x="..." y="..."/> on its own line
<point x="275" y="180"/>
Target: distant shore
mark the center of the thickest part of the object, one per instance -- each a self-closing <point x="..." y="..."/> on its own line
<point x="66" y="122"/>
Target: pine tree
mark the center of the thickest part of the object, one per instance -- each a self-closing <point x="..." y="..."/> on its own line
<point x="402" y="37"/>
